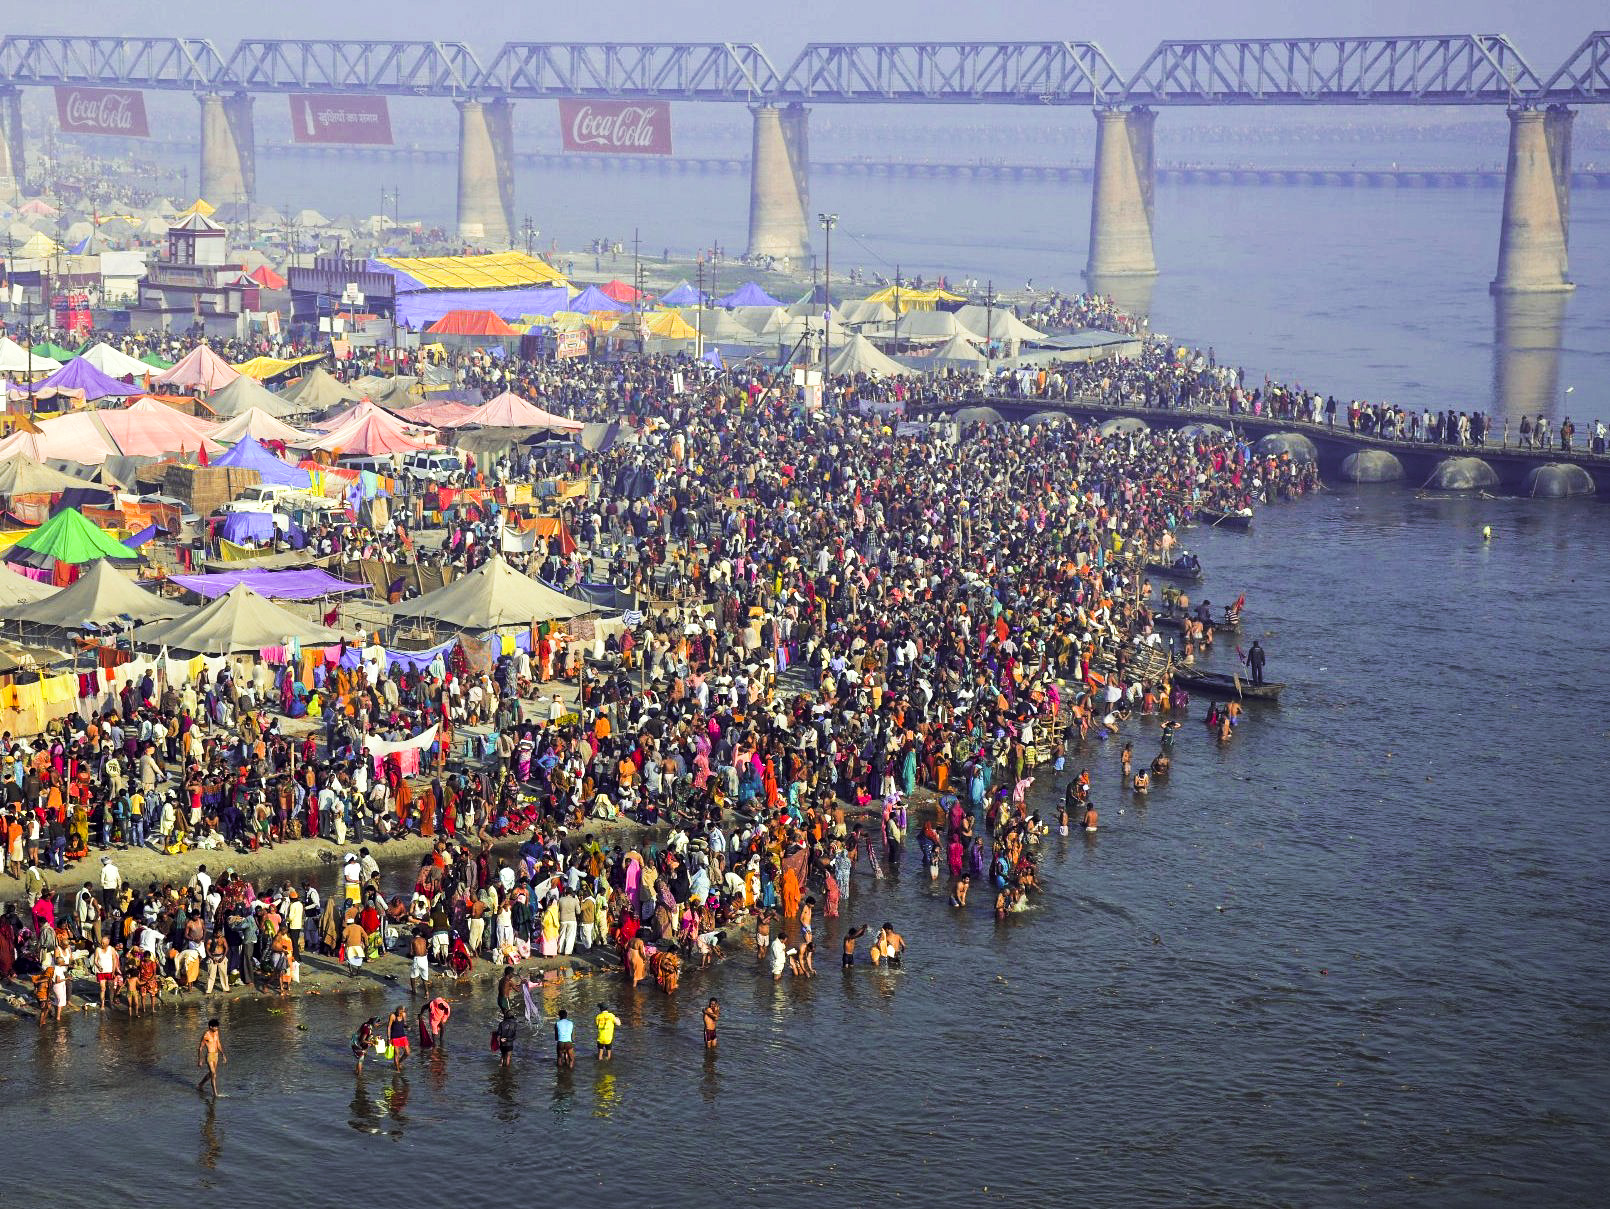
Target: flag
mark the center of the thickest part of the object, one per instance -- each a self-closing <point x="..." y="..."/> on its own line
<point x="1239" y="601"/>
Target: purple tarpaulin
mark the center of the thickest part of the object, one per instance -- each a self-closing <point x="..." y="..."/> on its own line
<point x="306" y="584"/>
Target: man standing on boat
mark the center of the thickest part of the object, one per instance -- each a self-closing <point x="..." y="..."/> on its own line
<point x="1255" y="660"/>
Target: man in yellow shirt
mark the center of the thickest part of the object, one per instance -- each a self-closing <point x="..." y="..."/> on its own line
<point x="606" y="1022"/>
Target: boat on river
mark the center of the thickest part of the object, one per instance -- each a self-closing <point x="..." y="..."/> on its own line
<point x="1219" y="684"/>
<point x="1215" y="519"/>
<point x="1179" y="574"/>
<point x="1223" y="625"/>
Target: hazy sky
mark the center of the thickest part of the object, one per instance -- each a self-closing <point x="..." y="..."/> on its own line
<point x="1545" y="30"/>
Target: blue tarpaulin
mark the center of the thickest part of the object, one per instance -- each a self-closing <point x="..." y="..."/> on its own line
<point x="242" y="527"/>
<point x="748" y="294"/>
<point x="421" y="308"/>
<point x="249" y="454"/>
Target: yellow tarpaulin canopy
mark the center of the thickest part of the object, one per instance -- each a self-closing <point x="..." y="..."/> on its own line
<point x="199" y="206"/>
<point x="903" y="299"/>
<point x="670" y="325"/>
<point x="264" y="368"/>
<point x="499" y="270"/>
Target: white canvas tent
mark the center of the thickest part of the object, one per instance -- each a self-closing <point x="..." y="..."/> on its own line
<point x="239" y="620"/>
<point x="858" y="356"/>
<point x="116" y="364"/>
<point x="14" y="359"/>
<point x="246" y="393"/>
<point x="995" y="323"/>
<point x="101" y="594"/>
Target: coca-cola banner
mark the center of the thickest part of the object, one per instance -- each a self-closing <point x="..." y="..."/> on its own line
<point x="328" y="119"/>
<point x="101" y="111"/>
<point x="616" y="127"/>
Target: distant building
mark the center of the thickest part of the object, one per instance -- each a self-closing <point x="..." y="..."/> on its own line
<point x="193" y="282"/>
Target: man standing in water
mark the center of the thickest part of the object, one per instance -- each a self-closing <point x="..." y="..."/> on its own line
<point x="712" y="1017"/>
<point x="209" y="1053"/>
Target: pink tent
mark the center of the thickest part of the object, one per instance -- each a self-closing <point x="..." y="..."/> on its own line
<point x="25" y="444"/>
<point x="199" y="369"/>
<point x="77" y="436"/>
<point x="146" y="427"/>
<point x="446" y="414"/>
<point x="509" y="410"/>
<point x="369" y="430"/>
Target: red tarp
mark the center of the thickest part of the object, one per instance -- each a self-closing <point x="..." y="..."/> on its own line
<point x="621" y="292"/>
<point x="267" y="277"/>
<point x="470" y="323"/>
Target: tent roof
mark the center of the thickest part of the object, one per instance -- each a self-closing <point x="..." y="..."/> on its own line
<point x="748" y="294"/>
<point x="147" y="427"/>
<point x="995" y="323"/>
<point x="470" y="323"/>
<point x="249" y="455"/>
<point x="447" y="414"/>
<point x="420" y="308"/>
<point x="255" y="422"/>
<point x="16" y="589"/>
<point x="318" y="389"/>
<point x="934" y="326"/>
<point x="14" y="359"/>
<point x="593" y="301"/>
<point x="239" y="620"/>
<point x="101" y="594"/>
<point x="77" y="436"/>
<point x="110" y="361"/>
<point x="199" y="369"/>
<point x="23" y="475"/>
<point x="245" y="393"/>
<point x="280" y="583"/>
<point x="621" y="292"/>
<point x="682" y="294"/>
<point x="371" y="429"/>
<point x="68" y="537"/>
<point x="79" y="374"/>
<point x="498" y="270"/>
<point x="264" y="368"/>
<point x="509" y="410"/>
<point x="494" y="594"/>
<point x="267" y="277"/>
<point x="858" y="356"/>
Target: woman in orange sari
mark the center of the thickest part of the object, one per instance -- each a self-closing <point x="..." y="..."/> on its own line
<point x="427" y="812"/>
<point x="405" y="800"/>
<point x="790" y="885"/>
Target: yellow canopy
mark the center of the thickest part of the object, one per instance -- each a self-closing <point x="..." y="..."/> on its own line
<point x="498" y="270"/>
<point x="199" y="206"/>
<point x="670" y="325"/>
<point x="903" y="299"/>
<point x="264" y="368"/>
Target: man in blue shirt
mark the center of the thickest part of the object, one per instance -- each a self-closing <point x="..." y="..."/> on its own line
<point x="564" y="1032"/>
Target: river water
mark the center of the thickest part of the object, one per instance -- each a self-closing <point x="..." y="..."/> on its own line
<point x="1354" y="957"/>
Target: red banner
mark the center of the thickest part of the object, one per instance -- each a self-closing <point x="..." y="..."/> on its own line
<point x="616" y="127"/>
<point x="119" y="111"/>
<point x="316" y="118"/>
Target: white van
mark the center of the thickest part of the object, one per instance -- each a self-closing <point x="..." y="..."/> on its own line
<point x="434" y="466"/>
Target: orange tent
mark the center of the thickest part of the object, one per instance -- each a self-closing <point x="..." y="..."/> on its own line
<point x="267" y="278"/>
<point x="470" y="323"/>
<point x="621" y="292"/>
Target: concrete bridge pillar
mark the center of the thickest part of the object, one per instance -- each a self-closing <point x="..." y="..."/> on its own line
<point x="11" y="155"/>
<point x="1121" y="205"/>
<point x="1527" y="330"/>
<point x="1532" y="256"/>
<point x="779" y="184"/>
<point x="228" y="149"/>
<point x="486" y="172"/>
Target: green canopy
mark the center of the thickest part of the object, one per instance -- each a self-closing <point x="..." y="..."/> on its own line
<point x="157" y="362"/>
<point x="54" y="351"/>
<point x="68" y="537"/>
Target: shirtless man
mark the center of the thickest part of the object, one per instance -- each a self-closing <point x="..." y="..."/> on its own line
<point x="209" y="1055"/>
<point x="712" y="1017"/>
<point x="850" y="937"/>
<point x="419" y="962"/>
<point x="894" y="946"/>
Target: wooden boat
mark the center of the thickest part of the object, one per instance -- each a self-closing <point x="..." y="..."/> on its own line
<point x="1177" y="574"/>
<point x="1215" y="519"/>
<point x="1221" y="625"/>
<point x="1218" y="684"/>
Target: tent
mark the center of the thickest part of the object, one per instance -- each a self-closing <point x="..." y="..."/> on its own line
<point x="15" y="359"/>
<point x="264" y="368"/>
<point x="249" y="455"/>
<point x="370" y="429"/>
<point x="446" y="414"/>
<point x="862" y="311"/>
<point x="155" y="361"/>
<point x="318" y="390"/>
<point x="488" y="271"/>
<point x="762" y="320"/>
<point x="100" y="595"/>
<point x="748" y="294"/>
<point x="509" y="410"/>
<point x="954" y="353"/>
<point x="931" y="327"/>
<point x="470" y="323"/>
<point x="199" y="369"/>
<point x="54" y="351"/>
<point x="18" y="589"/>
<point x="245" y="393"/>
<point x="420" y="308"/>
<point x="683" y="294"/>
<point x="594" y="301"/>
<point x="492" y="595"/>
<point x="79" y="377"/>
<point x="67" y="537"/>
<point x="239" y="620"/>
<point x="903" y="298"/>
<point x="668" y="325"/>
<point x="146" y="427"/>
<point x="995" y="323"/>
<point x="859" y="357"/>
<point x="621" y="292"/>
<point x="255" y="422"/>
<point x="289" y="583"/>
<point x="78" y="436"/>
<point x="115" y="364"/>
<point x="22" y="475"/>
<point x="267" y="278"/>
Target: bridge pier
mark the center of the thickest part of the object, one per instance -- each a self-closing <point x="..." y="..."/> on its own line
<point x="1532" y="243"/>
<point x="1527" y="332"/>
<point x="1121" y="203"/>
<point x="228" y="149"/>
<point x="11" y="153"/>
<point x="779" y="184"/>
<point x="486" y="171"/>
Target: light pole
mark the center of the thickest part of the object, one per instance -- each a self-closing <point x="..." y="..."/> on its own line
<point x="828" y="221"/>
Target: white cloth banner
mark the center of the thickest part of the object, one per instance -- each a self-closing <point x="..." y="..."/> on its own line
<point x="379" y="749"/>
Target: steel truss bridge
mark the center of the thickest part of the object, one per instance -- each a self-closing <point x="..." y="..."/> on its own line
<point x="1450" y="69"/>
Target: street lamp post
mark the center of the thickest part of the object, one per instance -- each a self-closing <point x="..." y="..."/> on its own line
<point x="828" y="221"/>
